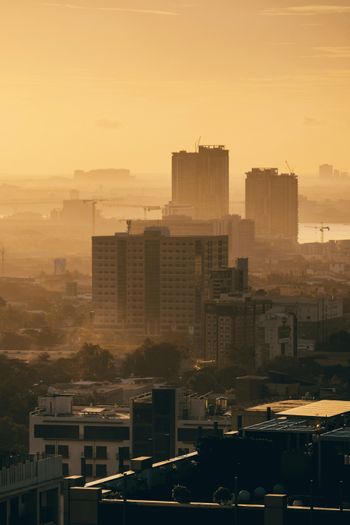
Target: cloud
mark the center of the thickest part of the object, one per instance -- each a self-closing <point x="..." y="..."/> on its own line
<point x="313" y="122"/>
<point x="112" y="9"/>
<point x="333" y="51"/>
<point x="107" y="123"/>
<point x="307" y="10"/>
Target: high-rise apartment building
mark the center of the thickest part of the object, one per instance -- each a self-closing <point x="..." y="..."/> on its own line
<point x="230" y="329"/>
<point x="201" y="179"/>
<point x="272" y="203"/>
<point x="325" y="171"/>
<point x="240" y="232"/>
<point x="153" y="284"/>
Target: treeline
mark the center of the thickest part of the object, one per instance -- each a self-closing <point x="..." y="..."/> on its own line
<point x="22" y="382"/>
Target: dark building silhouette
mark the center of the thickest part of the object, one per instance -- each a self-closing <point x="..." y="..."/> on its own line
<point x="201" y="179"/>
<point x="272" y="203"/>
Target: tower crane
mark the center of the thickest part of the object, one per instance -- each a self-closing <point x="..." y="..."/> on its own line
<point x="94" y="202"/>
<point x="322" y="229"/>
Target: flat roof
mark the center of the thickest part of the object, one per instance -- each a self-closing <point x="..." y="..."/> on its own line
<point x="278" y="406"/>
<point x="282" y="424"/>
<point x="323" y="408"/>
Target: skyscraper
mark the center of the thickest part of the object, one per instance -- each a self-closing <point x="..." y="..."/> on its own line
<point x="272" y="203"/>
<point x="201" y="179"/>
<point x="154" y="283"/>
<point x="325" y="171"/>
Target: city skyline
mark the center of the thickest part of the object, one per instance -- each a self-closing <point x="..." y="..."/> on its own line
<point x="112" y="83"/>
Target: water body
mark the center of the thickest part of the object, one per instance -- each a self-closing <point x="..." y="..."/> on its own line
<point x="310" y="232"/>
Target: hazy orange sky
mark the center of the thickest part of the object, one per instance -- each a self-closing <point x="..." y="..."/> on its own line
<point x="122" y="83"/>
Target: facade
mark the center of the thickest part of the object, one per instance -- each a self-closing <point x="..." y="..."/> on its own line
<point x="230" y="328"/>
<point x="153" y="284"/>
<point x="276" y="336"/>
<point x="201" y="179"/>
<point x="318" y="317"/>
<point x="229" y="280"/>
<point x="30" y="491"/>
<point x="272" y="203"/>
<point x="93" y="441"/>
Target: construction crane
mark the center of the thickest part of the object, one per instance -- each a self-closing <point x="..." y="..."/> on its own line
<point x="94" y="202"/>
<point x="289" y="168"/>
<point x="322" y="229"/>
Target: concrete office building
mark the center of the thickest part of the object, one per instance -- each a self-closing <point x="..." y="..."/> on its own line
<point x="272" y="203"/>
<point x="318" y="317"/>
<point x="229" y="328"/>
<point x="98" y="440"/>
<point x="201" y="179"/>
<point x="168" y="422"/>
<point x="93" y="440"/>
<point x="153" y="284"/>
<point x="276" y="336"/>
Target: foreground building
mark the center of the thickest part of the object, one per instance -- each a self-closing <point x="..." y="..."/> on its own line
<point x="272" y="203"/>
<point x="92" y="440"/>
<point x="200" y="179"/>
<point x="98" y="440"/>
<point x="153" y="284"/>
<point x="287" y="470"/>
<point x="30" y="490"/>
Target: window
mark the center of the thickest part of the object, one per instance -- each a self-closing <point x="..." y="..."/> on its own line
<point x="101" y="452"/>
<point x="88" y="470"/>
<point x="101" y="471"/>
<point x="99" y="433"/>
<point x="56" y="431"/>
<point x="65" y="469"/>
<point x="63" y="450"/>
<point x="50" y="450"/>
<point x="88" y="451"/>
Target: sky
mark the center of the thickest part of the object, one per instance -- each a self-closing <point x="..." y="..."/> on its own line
<point x="122" y="83"/>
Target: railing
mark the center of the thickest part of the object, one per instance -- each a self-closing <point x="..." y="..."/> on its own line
<point x="21" y="472"/>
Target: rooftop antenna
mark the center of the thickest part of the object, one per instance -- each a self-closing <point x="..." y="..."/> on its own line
<point x="196" y="146"/>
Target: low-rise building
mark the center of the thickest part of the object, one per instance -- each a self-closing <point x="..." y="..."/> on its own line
<point x="276" y="336"/>
<point x="93" y="440"/>
<point x="30" y="490"/>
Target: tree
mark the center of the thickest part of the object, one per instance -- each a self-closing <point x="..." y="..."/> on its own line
<point x="222" y="496"/>
<point x="181" y="494"/>
<point x="153" y="359"/>
<point x="13" y="437"/>
<point x="94" y="363"/>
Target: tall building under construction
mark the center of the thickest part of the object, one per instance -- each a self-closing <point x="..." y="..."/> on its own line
<point x="271" y="201"/>
<point x="200" y="180"/>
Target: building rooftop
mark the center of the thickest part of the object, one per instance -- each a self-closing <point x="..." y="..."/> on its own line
<point x="279" y="406"/>
<point x="282" y="424"/>
<point x="324" y="408"/>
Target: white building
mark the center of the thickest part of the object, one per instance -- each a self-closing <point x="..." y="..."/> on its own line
<point x="97" y="441"/>
<point x="93" y="441"/>
<point x="276" y="336"/>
